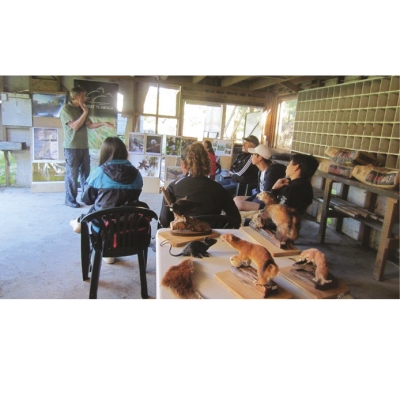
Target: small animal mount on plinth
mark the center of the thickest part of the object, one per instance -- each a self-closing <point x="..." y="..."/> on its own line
<point x="178" y="279"/>
<point x="196" y="248"/>
<point x="312" y="267"/>
<point x="251" y="252"/>
<point x="248" y="276"/>
<point x="183" y="223"/>
<point x="285" y="219"/>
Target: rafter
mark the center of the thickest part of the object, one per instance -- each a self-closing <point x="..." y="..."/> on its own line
<point x="290" y="86"/>
<point x="231" y="80"/>
<point x="197" y="79"/>
<point x="265" y="82"/>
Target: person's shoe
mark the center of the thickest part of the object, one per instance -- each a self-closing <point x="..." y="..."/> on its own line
<point x="72" y="204"/>
<point x="109" y="260"/>
<point x="76" y="225"/>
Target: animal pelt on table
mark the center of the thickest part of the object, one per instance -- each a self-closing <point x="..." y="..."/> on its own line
<point x="252" y="252"/>
<point x="318" y="259"/>
<point x="285" y="218"/>
<point x="179" y="279"/>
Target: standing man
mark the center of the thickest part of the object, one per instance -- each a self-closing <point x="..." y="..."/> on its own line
<point x="242" y="170"/>
<point x="75" y="121"/>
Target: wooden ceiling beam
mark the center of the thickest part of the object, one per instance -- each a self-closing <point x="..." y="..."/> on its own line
<point x="290" y="86"/>
<point x="265" y="82"/>
<point x="232" y="80"/>
<point x="197" y="79"/>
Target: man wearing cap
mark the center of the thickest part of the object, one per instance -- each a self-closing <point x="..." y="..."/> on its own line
<point x="268" y="174"/>
<point x="242" y="169"/>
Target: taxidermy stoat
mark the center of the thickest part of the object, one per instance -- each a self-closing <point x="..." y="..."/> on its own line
<point x="179" y="279"/>
<point x="248" y="252"/>
<point x="285" y="218"/>
<point x="319" y="260"/>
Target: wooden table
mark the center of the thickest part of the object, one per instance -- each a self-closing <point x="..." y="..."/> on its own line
<point x="387" y="241"/>
<point x="210" y="286"/>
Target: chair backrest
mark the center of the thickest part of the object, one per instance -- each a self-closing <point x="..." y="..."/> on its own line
<point x="120" y="231"/>
<point x="219" y="221"/>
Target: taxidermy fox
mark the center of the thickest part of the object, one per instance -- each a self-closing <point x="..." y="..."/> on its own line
<point x="251" y="252"/>
<point x="317" y="258"/>
<point x="285" y="218"/>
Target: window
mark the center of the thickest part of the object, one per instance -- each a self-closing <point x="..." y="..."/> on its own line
<point x="160" y="110"/>
<point x="206" y="121"/>
<point x="285" y="124"/>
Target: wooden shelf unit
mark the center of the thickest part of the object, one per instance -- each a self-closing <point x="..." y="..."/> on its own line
<point x="362" y="115"/>
<point x="387" y="241"/>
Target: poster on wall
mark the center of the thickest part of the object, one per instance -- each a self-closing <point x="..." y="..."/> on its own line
<point x="136" y="143"/>
<point x="45" y="144"/>
<point x="186" y="142"/>
<point x="173" y="145"/>
<point x="223" y="147"/>
<point x="153" y="144"/>
<point x="48" y="171"/>
<point x="102" y="105"/>
<point x="147" y="165"/>
<point x="173" y="168"/>
<point x="48" y="104"/>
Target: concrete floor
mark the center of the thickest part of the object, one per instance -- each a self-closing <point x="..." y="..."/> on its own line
<point x="40" y="254"/>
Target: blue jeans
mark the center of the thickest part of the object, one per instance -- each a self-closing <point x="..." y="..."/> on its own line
<point x="77" y="163"/>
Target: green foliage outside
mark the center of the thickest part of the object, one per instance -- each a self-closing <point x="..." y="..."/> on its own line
<point x="13" y="169"/>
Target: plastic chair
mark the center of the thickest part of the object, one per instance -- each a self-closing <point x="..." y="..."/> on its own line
<point x="219" y="221"/>
<point x="115" y="232"/>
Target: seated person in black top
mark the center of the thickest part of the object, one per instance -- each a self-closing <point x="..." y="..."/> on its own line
<point x="268" y="174"/>
<point x="242" y="169"/>
<point x="296" y="190"/>
<point x="210" y="196"/>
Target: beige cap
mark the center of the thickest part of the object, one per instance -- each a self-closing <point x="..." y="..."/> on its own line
<point x="262" y="150"/>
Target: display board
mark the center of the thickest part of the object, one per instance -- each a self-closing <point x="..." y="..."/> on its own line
<point x="16" y="109"/>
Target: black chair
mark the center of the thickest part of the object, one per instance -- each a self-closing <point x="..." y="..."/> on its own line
<point x="115" y="232"/>
<point x="219" y="221"/>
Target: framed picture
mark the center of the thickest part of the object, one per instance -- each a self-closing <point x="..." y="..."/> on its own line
<point x="173" y="169"/>
<point x="153" y="144"/>
<point x="187" y="141"/>
<point x="147" y="165"/>
<point x="48" y="104"/>
<point x="45" y="144"/>
<point x="173" y="145"/>
<point x="223" y="147"/>
<point x="48" y="171"/>
<point x="137" y="143"/>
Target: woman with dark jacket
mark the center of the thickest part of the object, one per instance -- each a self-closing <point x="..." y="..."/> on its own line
<point x="209" y="196"/>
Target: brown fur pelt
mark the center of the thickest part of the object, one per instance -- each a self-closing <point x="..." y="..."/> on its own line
<point x="179" y="279"/>
<point x="251" y="252"/>
<point x="285" y="218"/>
<point x="317" y="258"/>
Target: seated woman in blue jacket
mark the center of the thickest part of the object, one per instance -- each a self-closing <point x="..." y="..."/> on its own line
<point x="114" y="183"/>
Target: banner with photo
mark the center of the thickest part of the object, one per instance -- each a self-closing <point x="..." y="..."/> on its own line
<point x="102" y="105"/>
